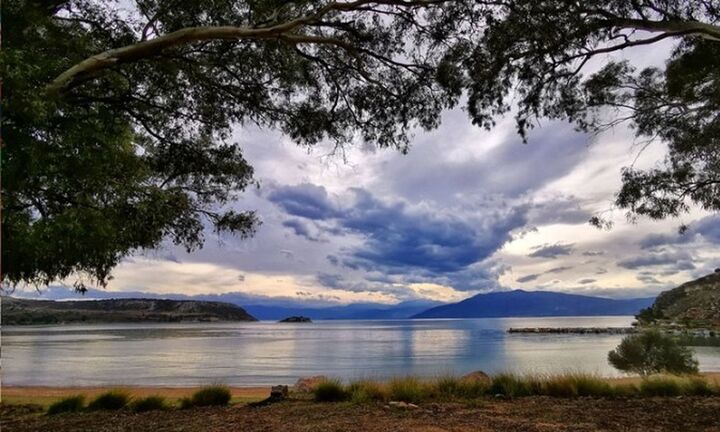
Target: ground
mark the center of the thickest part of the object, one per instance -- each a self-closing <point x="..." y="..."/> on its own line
<point x="524" y="414"/>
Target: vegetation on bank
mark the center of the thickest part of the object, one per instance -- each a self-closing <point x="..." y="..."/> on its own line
<point x="214" y="395"/>
<point x="448" y="388"/>
<point x="653" y="352"/>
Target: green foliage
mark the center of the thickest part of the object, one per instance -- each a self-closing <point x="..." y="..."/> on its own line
<point x="67" y="405"/>
<point x="214" y="395"/>
<point x="149" y="403"/>
<point x="660" y="386"/>
<point x="367" y="391"/>
<point x="111" y="400"/>
<point x="330" y="390"/>
<point x="510" y="385"/>
<point x="119" y="154"/>
<point x="408" y="389"/>
<point x="652" y="352"/>
<point x="449" y="387"/>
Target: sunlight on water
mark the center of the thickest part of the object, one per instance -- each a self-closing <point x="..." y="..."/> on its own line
<point x="270" y="353"/>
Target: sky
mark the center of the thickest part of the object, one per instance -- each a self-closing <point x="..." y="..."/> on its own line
<point x="466" y="211"/>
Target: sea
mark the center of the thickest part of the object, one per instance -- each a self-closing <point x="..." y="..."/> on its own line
<point x="270" y="353"/>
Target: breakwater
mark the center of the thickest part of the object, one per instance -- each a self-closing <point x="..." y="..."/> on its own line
<point x="575" y="330"/>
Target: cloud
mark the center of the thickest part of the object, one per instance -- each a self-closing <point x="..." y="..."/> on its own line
<point x="301" y="228"/>
<point x="586" y="281"/>
<point x="552" y="251"/>
<point x="558" y="269"/>
<point x="679" y="260"/>
<point x="592" y="253"/>
<point x="707" y="228"/>
<point x="304" y="200"/>
<point x="527" y="278"/>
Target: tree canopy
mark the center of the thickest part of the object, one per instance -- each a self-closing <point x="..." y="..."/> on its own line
<point x="652" y="352"/>
<point x="118" y="116"/>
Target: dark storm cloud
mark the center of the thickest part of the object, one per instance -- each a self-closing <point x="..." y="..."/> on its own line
<point x="329" y="280"/>
<point x="300" y="228"/>
<point x="593" y="253"/>
<point x="678" y="260"/>
<point x="398" y="238"/>
<point x="303" y="200"/>
<point x="707" y="228"/>
<point x="552" y="251"/>
<point x="527" y="278"/>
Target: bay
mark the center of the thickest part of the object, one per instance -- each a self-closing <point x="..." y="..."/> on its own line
<point x="265" y="353"/>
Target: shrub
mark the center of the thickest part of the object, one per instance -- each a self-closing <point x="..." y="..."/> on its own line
<point x="625" y="390"/>
<point x="408" y="389"/>
<point x="449" y="387"/>
<point x="559" y="386"/>
<point x="698" y="387"/>
<point x="367" y="391"/>
<point x="652" y="352"/>
<point x="587" y="385"/>
<point x="330" y="390"/>
<point x="214" y="395"/>
<point x="150" y="403"/>
<point x="660" y="386"/>
<point x="111" y="400"/>
<point x="511" y="386"/>
<point x="67" y="405"/>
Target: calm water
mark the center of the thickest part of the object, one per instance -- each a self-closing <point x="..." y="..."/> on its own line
<point x="271" y="353"/>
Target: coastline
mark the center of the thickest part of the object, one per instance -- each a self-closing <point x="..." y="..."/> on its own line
<point x="47" y="394"/>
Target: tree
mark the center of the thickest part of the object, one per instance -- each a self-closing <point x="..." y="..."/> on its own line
<point x="118" y="117"/>
<point x="652" y="352"/>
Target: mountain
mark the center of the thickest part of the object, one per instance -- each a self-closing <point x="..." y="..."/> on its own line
<point x="346" y="312"/>
<point x="692" y="304"/>
<point x="20" y="311"/>
<point x="521" y="303"/>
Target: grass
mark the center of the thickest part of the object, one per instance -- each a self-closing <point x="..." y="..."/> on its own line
<point x="111" y="400"/>
<point x="330" y="390"/>
<point x="449" y="388"/>
<point x="67" y="405"/>
<point x="149" y="403"/>
<point x="214" y="395"/>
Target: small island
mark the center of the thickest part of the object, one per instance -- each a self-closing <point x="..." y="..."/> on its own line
<point x="296" y="319"/>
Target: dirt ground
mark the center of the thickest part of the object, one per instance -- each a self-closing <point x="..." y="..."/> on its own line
<point x="529" y="414"/>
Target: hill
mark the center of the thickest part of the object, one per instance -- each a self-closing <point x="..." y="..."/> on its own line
<point x="521" y="303"/>
<point x="692" y="304"/>
<point x="20" y="311"/>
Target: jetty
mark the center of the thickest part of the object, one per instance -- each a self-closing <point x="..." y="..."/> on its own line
<point x="574" y="330"/>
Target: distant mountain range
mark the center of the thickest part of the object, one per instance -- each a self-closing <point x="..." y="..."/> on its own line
<point x="516" y="303"/>
<point x="349" y="312"/>
<point x="519" y="303"/>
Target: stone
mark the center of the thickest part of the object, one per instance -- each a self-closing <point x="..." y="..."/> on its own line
<point x="402" y="405"/>
<point x="308" y="384"/>
<point x="279" y="392"/>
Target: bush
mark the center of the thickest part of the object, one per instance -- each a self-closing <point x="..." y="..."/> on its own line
<point x="660" y="386"/>
<point x="511" y="386"/>
<point x="330" y="390"/>
<point x="698" y="387"/>
<point x="214" y="395"/>
<point x="367" y="391"/>
<point x="67" y="405"/>
<point x="408" y="389"/>
<point x="150" y="403"/>
<point x="112" y="400"/>
<point x="652" y="352"/>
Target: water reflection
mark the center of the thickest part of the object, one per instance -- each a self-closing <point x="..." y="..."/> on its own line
<point x="270" y="353"/>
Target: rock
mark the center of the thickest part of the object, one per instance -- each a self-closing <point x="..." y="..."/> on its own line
<point x="402" y="405"/>
<point x="296" y="319"/>
<point x="308" y="384"/>
<point x="477" y="377"/>
<point x="279" y="392"/>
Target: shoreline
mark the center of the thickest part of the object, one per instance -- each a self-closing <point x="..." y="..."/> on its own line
<point x="238" y="392"/>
